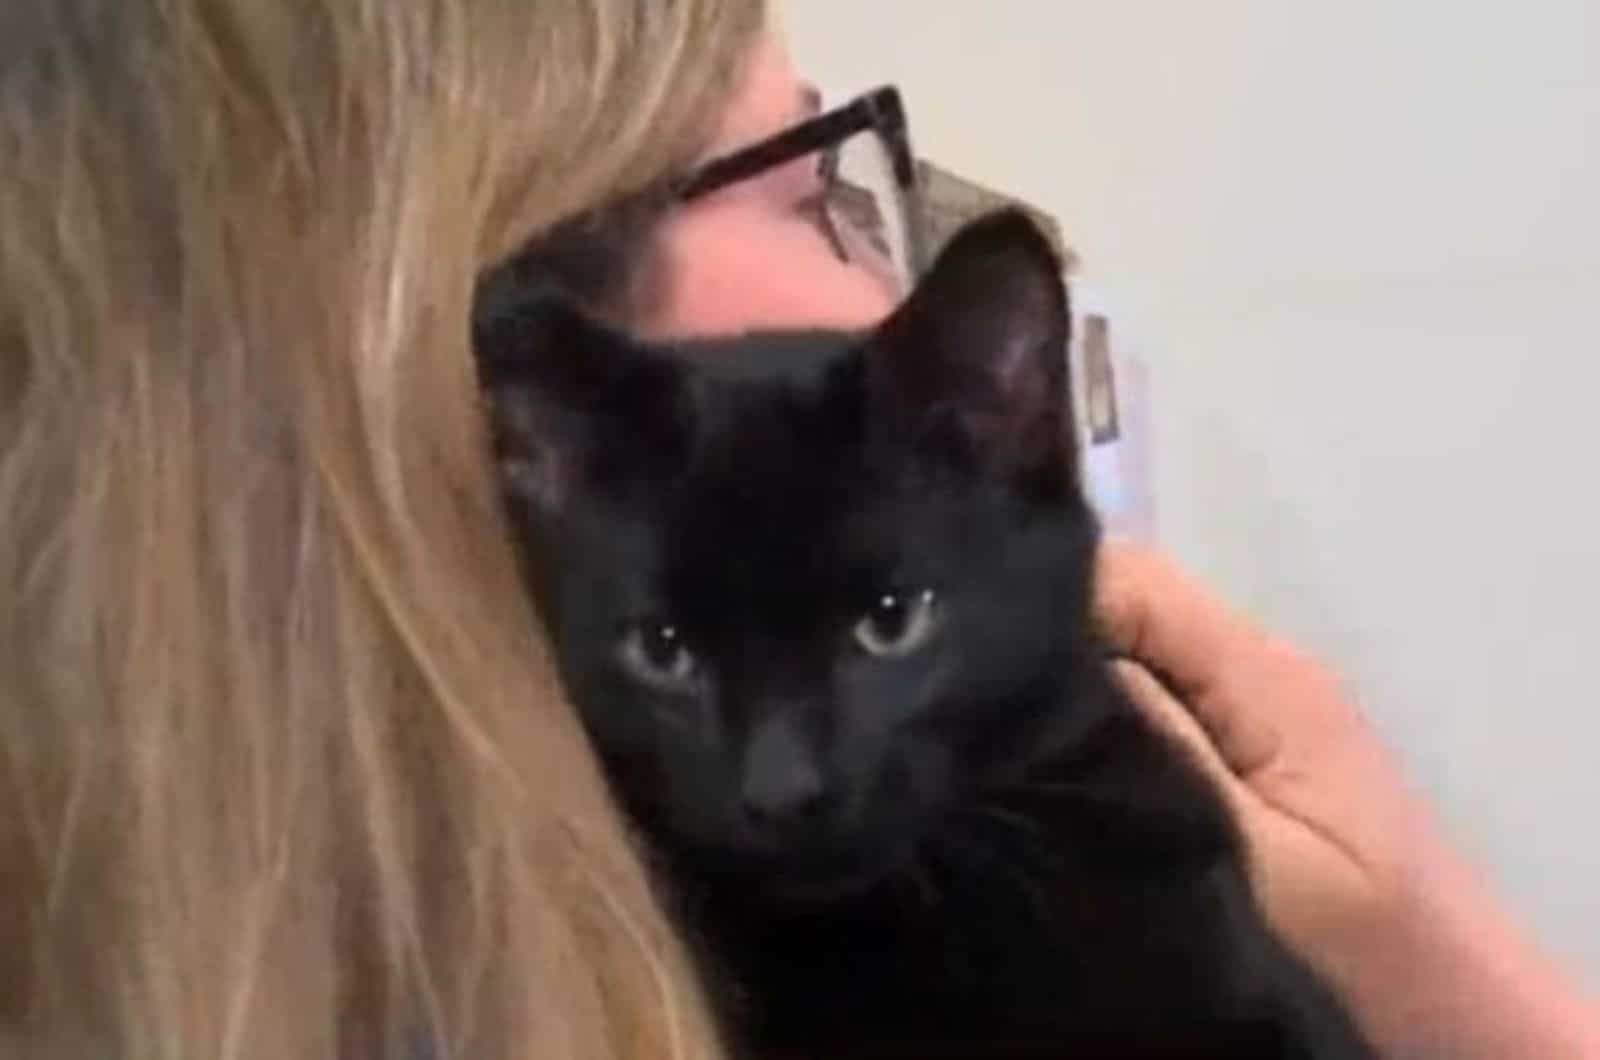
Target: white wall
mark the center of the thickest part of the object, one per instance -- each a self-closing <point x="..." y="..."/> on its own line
<point x="1363" y="238"/>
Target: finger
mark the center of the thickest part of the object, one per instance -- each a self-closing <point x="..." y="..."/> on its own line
<point x="1218" y="663"/>
<point x="1157" y="614"/>
<point x="1173" y="721"/>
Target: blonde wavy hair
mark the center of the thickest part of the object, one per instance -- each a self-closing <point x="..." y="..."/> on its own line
<point x="284" y="772"/>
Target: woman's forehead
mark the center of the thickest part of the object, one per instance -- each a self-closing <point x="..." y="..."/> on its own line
<point x="770" y="96"/>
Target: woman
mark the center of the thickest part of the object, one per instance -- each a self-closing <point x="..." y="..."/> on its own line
<point x="282" y="773"/>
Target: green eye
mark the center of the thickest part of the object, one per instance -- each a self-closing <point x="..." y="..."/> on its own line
<point x="655" y="653"/>
<point x="897" y="624"/>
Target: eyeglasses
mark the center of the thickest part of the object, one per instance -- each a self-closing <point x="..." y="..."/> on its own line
<point x="871" y="207"/>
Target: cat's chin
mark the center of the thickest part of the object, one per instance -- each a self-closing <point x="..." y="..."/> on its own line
<point x="833" y="888"/>
<point x="827" y="881"/>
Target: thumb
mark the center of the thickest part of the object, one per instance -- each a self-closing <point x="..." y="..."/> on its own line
<point x="1172" y="720"/>
<point x="1221" y="665"/>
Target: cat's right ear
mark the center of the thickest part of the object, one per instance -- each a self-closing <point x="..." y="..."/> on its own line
<point x="573" y="405"/>
<point x="973" y="364"/>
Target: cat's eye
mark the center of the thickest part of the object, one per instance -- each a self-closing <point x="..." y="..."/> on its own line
<point x="657" y="654"/>
<point x="897" y="624"/>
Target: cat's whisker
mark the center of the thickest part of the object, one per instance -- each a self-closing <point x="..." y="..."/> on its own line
<point x="671" y="719"/>
<point x="676" y="724"/>
<point x="922" y="881"/>
<point x="1067" y="788"/>
<point x="994" y="859"/>
<point x="1031" y="833"/>
<point x="1031" y="854"/>
<point x="1005" y="845"/>
<point x="1020" y="822"/>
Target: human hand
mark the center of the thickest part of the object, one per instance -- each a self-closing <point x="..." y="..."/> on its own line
<point x="1331" y="833"/>
<point x="1345" y="860"/>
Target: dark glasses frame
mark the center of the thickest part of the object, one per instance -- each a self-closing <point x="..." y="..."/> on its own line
<point x="880" y="111"/>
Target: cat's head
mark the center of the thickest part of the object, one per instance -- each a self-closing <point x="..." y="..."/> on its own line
<point x="809" y="616"/>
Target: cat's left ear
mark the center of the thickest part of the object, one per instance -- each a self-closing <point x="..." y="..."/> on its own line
<point x="573" y="404"/>
<point x="974" y="363"/>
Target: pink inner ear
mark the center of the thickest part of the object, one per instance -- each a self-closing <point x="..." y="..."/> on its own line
<point x="535" y="479"/>
<point x="528" y="465"/>
<point x="1014" y="364"/>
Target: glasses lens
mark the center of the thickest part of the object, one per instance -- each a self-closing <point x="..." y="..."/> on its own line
<point x="869" y="212"/>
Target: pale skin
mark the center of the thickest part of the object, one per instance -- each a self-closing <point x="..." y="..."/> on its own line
<point x="1346" y="861"/>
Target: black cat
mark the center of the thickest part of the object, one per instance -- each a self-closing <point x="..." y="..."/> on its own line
<point x="824" y="604"/>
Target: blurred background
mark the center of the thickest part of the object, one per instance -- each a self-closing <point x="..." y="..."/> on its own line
<point x="1360" y="245"/>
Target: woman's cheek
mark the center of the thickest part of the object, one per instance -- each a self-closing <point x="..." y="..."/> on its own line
<point x="730" y="270"/>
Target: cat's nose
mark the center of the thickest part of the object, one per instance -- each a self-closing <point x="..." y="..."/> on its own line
<point x="784" y="787"/>
<point x="786" y="805"/>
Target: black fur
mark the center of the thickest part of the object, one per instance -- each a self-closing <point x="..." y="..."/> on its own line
<point x="969" y="848"/>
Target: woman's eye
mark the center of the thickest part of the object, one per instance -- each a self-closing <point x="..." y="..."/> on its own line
<point x="897" y="624"/>
<point x="820" y="187"/>
<point x="828" y="161"/>
<point x="655" y="653"/>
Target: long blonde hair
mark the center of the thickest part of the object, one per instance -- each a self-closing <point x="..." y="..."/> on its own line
<point x="283" y="769"/>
